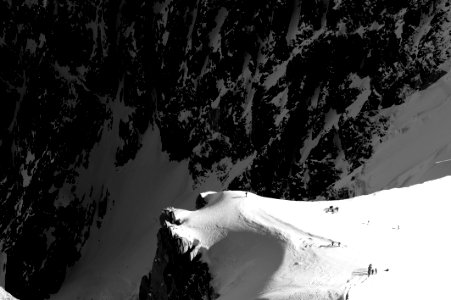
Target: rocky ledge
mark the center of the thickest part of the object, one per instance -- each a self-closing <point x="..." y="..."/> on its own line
<point x="178" y="271"/>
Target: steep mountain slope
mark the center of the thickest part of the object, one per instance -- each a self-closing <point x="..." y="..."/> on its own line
<point x="71" y="74"/>
<point x="294" y="88"/>
<point x="262" y="248"/>
<point x="285" y="98"/>
<point x="120" y="252"/>
<point x="416" y="147"/>
<point x="420" y="124"/>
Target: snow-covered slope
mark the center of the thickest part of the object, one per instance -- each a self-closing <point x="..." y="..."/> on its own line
<point x="4" y="295"/>
<point x="416" y="148"/>
<point x="118" y="254"/>
<point x="263" y="248"/>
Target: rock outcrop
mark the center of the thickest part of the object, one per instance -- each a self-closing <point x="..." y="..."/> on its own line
<point x="177" y="271"/>
<point x="65" y="67"/>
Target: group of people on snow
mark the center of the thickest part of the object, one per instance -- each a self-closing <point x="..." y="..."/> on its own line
<point x="331" y="209"/>
<point x="337" y="244"/>
<point x="371" y="270"/>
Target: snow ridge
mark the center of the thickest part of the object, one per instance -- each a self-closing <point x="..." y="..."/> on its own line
<point x="262" y="248"/>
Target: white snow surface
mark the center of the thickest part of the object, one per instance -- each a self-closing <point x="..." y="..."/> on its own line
<point x="4" y="295"/>
<point x="263" y="248"/>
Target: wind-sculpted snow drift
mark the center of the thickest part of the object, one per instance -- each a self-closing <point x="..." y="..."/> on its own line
<point x="242" y="246"/>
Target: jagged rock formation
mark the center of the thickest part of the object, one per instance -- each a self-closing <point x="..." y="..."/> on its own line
<point x="295" y="89"/>
<point x="67" y="70"/>
<point x="280" y="97"/>
<point x="177" y="272"/>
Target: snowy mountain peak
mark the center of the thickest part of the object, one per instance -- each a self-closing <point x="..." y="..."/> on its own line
<point x="113" y="110"/>
<point x="243" y="246"/>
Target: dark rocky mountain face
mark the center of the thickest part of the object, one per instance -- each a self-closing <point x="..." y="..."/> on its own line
<point x="296" y="89"/>
<point x="65" y="68"/>
<point x="283" y="98"/>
